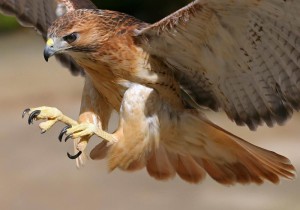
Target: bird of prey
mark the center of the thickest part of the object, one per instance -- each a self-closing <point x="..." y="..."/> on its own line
<point x="239" y="56"/>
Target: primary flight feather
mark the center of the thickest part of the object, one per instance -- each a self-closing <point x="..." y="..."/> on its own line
<point x="240" y="56"/>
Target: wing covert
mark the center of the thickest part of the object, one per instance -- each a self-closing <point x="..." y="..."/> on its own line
<point x="240" y="56"/>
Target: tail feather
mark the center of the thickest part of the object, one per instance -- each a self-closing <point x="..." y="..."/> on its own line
<point x="270" y="170"/>
<point x="159" y="166"/>
<point x="100" y="151"/>
<point x="239" y="161"/>
<point x="271" y="160"/>
<point x="187" y="168"/>
<point x="125" y="157"/>
<point x="135" y="165"/>
<point x="243" y="174"/>
<point x="219" y="173"/>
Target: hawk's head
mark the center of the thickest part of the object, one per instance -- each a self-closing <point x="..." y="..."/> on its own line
<point x="81" y="31"/>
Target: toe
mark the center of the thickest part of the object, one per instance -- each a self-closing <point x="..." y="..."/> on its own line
<point x="86" y="132"/>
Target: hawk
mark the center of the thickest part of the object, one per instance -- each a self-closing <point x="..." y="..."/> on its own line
<point x="239" y="56"/>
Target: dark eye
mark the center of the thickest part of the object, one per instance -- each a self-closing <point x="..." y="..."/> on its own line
<point x="70" y="38"/>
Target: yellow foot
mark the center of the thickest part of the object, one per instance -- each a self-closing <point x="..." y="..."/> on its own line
<point x="86" y="131"/>
<point x="73" y="130"/>
<point x="50" y="114"/>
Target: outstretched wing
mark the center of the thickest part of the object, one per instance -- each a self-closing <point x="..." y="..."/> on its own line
<point x="40" y="14"/>
<point x="239" y="55"/>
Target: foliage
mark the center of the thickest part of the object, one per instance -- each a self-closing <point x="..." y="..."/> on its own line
<point x="146" y="10"/>
<point x="7" y="23"/>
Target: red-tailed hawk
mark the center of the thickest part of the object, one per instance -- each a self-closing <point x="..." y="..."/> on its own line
<point x="240" y="56"/>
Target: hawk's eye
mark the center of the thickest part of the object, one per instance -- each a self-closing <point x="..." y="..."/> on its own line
<point x="70" y="38"/>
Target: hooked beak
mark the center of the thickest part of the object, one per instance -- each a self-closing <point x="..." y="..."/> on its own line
<point x="49" y="49"/>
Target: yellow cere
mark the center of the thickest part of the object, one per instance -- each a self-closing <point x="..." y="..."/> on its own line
<point x="50" y="42"/>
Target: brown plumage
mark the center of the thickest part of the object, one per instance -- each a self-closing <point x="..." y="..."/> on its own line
<point x="239" y="56"/>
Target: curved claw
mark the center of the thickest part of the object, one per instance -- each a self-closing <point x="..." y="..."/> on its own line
<point x="74" y="156"/>
<point x="26" y="111"/>
<point x="32" y="116"/>
<point x="68" y="137"/>
<point x="63" y="132"/>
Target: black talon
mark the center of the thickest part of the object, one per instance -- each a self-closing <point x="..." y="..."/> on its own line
<point x="63" y="132"/>
<point x="68" y="137"/>
<point x="25" y="112"/>
<point x="74" y="156"/>
<point x="32" y="116"/>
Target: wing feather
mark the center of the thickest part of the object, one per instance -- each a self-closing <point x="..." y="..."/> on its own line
<point x="240" y="56"/>
<point x="39" y="14"/>
<point x="77" y="4"/>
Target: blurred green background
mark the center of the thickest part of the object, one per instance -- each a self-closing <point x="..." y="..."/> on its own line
<point x="149" y="11"/>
